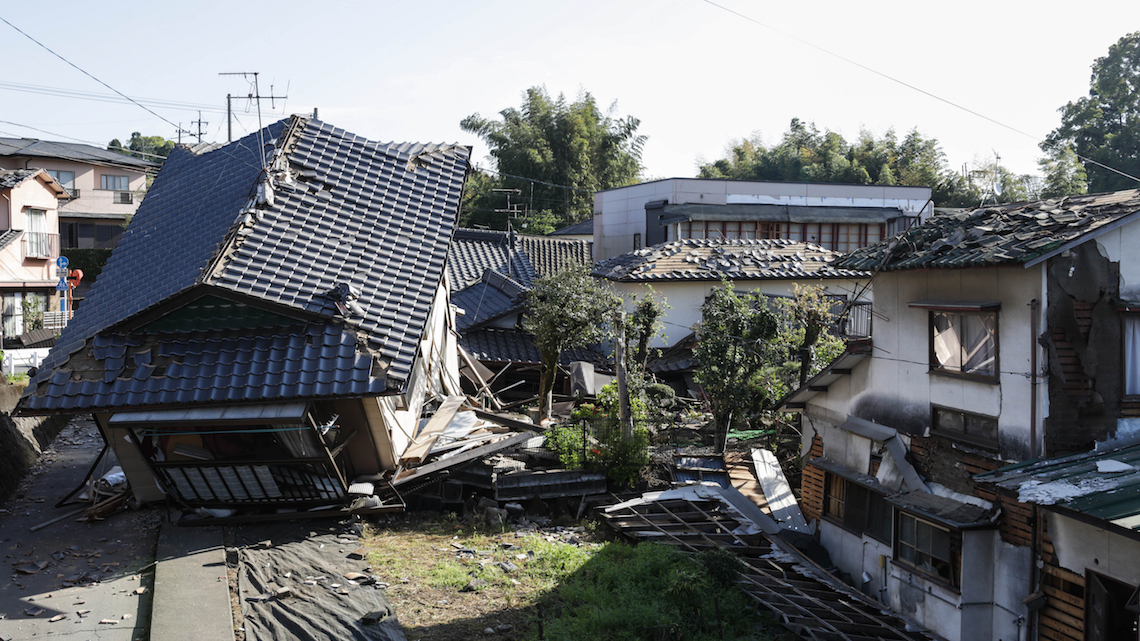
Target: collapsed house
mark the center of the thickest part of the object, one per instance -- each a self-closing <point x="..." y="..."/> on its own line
<point x="490" y="273"/>
<point x="686" y="272"/>
<point x="272" y="321"/>
<point x="1002" y="335"/>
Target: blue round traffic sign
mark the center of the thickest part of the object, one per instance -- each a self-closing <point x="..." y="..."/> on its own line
<point x="61" y="262"/>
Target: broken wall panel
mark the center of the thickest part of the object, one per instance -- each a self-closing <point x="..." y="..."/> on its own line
<point x="1084" y="341"/>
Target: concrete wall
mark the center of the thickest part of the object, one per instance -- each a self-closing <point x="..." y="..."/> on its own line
<point x="92" y="200"/>
<point x="22" y="439"/>
<point x="896" y="388"/>
<point x="1081" y="546"/>
<point x="685" y="298"/>
<point x="620" y="213"/>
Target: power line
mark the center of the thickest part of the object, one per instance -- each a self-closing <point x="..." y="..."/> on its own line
<point x="106" y="97"/>
<point x="535" y="181"/>
<point x="45" y="47"/>
<point x="904" y="83"/>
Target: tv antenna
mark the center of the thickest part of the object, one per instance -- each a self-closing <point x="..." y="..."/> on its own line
<point x="255" y="97"/>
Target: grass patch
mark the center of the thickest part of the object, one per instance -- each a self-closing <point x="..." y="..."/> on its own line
<point x="552" y="588"/>
<point x="650" y="592"/>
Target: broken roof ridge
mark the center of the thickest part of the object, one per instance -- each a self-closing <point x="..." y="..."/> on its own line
<point x="1024" y="233"/>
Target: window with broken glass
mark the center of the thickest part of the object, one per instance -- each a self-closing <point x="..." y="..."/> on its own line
<point x="964" y="343"/>
<point x="857" y="508"/>
<point x="965" y="426"/>
<point x="929" y="548"/>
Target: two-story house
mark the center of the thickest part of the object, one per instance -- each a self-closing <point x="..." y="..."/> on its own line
<point x="1001" y="335"/>
<point x="29" y="204"/>
<point x="836" y="217"/>
<point x="103" y="187"/>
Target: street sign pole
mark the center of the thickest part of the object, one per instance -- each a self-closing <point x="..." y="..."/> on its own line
<point x="61" y="286"/>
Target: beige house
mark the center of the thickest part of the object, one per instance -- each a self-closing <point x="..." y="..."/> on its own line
<point x="29" y="214"/>
<point x="103" y="187"/>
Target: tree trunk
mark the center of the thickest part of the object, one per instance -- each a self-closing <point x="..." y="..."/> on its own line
<point x="811" y="335"/>
<point x="623" y="387"/>
<point x="546" y="383"/>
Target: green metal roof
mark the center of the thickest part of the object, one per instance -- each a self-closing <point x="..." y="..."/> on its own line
<point x="1101" y="484"/>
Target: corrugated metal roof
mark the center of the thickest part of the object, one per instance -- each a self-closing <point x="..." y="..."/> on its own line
<point x="1004" y="234"/>
<point x="1104" y="485"/>
<point x="372" y="217"/>
<point x="706" y="259"/>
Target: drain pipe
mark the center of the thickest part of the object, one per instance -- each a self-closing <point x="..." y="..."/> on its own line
<point x="1035" y="514"/>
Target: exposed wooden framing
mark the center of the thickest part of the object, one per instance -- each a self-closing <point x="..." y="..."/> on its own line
<point x="438" y="466"/>
<point x="430" y="433"/>
<point x="810" y="608"/>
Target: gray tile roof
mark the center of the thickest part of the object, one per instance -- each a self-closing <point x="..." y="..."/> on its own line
<point x="521" y="257"/>
<point x="79" y="152"/>
<point x="374" y="217"/>
<point x="713" y="259"/>
<point x="9" y="237"/>
<point x="10" y="178"/>
<point x="496" y="345"/>
<point x="494" y="296"/>
<point x="1005" y="234"/>
<point x="586" y="227"/>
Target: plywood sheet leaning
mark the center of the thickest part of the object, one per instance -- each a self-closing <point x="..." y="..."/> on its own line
<point x="781" y="502"/>
<point x="430" y="432"/>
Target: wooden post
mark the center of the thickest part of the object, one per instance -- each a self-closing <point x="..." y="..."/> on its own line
<point x="623" y="386"/>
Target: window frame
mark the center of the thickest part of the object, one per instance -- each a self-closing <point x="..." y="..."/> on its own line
<point x="962" y="310"/>
<point x="105" y="179"/>
<point x="1129" y="315"/>
<point x="964" y="436"/>
<point x="848" y="519"/>
<point x="953" y="550"/>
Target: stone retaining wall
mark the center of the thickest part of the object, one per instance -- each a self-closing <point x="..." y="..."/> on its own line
<point x="22" y="439"/>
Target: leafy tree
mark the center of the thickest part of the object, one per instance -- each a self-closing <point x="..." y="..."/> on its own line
<point x="153" y="148"/>
<point x="1064" y="174"/>
<point x="564" y="310"/>
<point x="557" y="153"/>
<point x="804" y="154"/>
<point x="807" y="315"/>
<point x="1105" y="125"/>
<point x="732" y="352"/>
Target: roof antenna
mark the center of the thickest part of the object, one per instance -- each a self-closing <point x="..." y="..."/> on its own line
<point x="255" y="96"/>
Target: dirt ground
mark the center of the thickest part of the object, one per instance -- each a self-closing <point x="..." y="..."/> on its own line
<point x="431" y="562"/>
<point x="70" y="579"/>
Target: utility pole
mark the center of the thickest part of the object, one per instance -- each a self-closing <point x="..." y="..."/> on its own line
<point x="199" y="122"/>
<point x="253" y="96"/>
<point x="624" y="415"/>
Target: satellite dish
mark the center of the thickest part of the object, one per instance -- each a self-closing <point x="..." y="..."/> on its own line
<point x="997" y="188"/>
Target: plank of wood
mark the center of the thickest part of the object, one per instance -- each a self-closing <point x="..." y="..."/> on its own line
<point x="781" y="501"/>
<point x="486" y="450"/>
<point x="435" y="426"/>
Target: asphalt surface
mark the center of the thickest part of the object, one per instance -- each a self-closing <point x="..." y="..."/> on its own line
<point x="70" y="580"/>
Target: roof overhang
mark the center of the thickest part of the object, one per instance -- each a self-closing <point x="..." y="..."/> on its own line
<point x="261" y="413"/>
<point x="840" y="367"/>
<point x="955" y="305"/>
<point x="780" y="213"/>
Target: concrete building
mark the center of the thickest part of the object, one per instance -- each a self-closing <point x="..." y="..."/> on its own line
<point x="103" y="187"/>
<point x="836" y="217"/>
<point x="996" y="340"/>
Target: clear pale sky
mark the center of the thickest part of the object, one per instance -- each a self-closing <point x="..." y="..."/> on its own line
<point x="696" y="75"/>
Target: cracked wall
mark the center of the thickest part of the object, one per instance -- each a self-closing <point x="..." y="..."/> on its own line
<point x="1083" y="341"/>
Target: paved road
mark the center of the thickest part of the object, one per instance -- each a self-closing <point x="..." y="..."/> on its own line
<point x="69" y="567"/>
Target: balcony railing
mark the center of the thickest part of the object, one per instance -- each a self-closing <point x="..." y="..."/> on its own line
<point x="856" y="323"/>
<point x="40" y="245"/>
<point x="123" y="198"/>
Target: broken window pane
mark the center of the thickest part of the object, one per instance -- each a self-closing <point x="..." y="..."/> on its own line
<point x="1132" y="354"/>
<point x="964" y="343"/>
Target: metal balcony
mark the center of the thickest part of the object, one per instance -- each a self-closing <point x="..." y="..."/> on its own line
<point x="40" y="245"/>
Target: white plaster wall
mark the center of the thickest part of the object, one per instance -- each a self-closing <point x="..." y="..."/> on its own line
<point x="898" y="371"/>
<point x="855" y="554"/>
<point x="92" y="200"/>
<point x="620" y="213"/>
<point x="685" y="298"/>
<point x="930" y="604"/>
<point x="1081" y="546"/>
<point x="1119" y="245"/>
